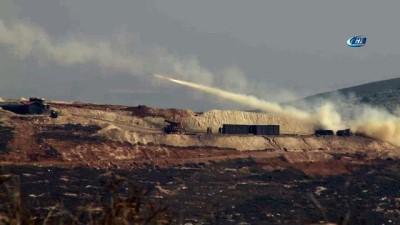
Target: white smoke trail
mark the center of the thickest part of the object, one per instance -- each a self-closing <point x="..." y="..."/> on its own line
<point x="124" y="55"/>
<point x="27" y="40"/>
<point x="248" y="100"/>
<point x="324" y="117"/>
<point x="371" y="122"/>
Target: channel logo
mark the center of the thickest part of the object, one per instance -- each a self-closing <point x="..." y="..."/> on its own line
<point x="357" y="41"/>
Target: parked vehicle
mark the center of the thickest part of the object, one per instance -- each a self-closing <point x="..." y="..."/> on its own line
<point x="344" y="133"/>
<point x="321" y="132"/>
<point x="250" y="129"/>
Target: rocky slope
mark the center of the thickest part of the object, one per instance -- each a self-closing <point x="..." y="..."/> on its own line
<point x="114" y="136"/>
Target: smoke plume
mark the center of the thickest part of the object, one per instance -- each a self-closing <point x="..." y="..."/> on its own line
<point x="375" y="123"/>
<point x="119" y="55"/>
<point x="379" y="124"/>
<point x="247" y="100"/>
<point x="323" y="116"/>
<point x="26" y="40"/>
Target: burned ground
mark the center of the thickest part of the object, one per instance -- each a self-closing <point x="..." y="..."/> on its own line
<point x="6" y="134"/>
<point x="230" y="192"/>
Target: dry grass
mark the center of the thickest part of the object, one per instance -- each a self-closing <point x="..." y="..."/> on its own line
<point x="135" y="207"/>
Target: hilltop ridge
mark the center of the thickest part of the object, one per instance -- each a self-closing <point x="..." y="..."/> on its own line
<point x="383" y="94"/>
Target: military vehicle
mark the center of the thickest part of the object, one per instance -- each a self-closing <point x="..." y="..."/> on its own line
<point x="34" y="106"/>
<point x="174" y="127"/>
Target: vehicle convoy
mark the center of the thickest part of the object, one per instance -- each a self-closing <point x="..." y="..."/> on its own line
<point x="273" y="130"/>
<point x="38" y="106"/>
<point x="340" y="133"/>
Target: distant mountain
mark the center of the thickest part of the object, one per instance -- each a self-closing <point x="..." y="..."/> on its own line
<point x="385" y="93"/>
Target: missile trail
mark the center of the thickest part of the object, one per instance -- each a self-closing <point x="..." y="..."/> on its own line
<point x="371" y="122"/>
<point x="162" y="77"/>
<point x="247" y="100"/>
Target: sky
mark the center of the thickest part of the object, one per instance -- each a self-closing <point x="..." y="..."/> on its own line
<point x="275" y="50"/>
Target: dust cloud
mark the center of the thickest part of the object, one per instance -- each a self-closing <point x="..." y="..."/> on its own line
<point x="324" y="117"/>
<point x="379" y="124"/>
<point x="375" y="123"/>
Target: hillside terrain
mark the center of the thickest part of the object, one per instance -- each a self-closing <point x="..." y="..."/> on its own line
<point x="70" y="158"/>
<point x="384" y="94"/>
<point x="103" y="135"/>
<point x="144" y="125"/>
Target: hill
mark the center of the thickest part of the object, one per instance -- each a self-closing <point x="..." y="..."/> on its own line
<point x="384" y="94"/>
<point x="90" y="153"/>
<point x="105" y="135"/>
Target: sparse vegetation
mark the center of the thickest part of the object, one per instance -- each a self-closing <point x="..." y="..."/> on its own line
<point x="130" y="205"/>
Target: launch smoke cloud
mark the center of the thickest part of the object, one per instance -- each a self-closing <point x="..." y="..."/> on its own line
<point x="247" y="100"/>
<point x="376" y="123"/>
<point x="320" y="118"/>
<point x="26" y="40"/>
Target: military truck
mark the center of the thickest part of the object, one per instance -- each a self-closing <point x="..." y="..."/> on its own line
<point x="344" y="133"/>
<point x="174" y="127"/>
<point x="34" y="106"/>
<point x="321" y="132"/>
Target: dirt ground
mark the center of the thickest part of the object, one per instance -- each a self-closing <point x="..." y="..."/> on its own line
<point x="295" y="178"/>
<point x="240" y="191"/>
